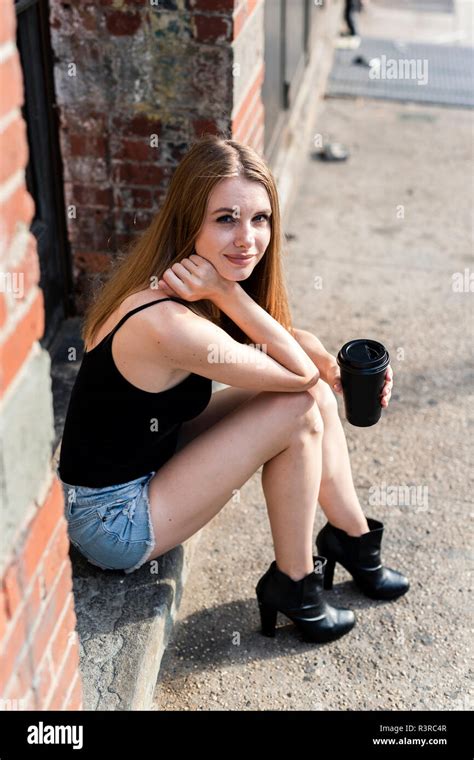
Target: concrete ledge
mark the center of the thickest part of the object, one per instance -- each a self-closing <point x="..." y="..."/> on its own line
<point x="123" y="621"/>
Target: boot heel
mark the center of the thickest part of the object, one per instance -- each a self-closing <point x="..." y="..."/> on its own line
<point x="268" y="616"/>
<point x="329" y="574"/>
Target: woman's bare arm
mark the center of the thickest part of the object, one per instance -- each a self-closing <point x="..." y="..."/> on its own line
<point x="185" y="340"/>
<point x="262" y="329"/>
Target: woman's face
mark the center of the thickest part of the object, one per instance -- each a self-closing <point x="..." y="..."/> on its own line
<point x="236" y="228"/>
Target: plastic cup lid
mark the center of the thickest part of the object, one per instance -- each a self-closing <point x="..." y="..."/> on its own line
<point x="363" y="353"/>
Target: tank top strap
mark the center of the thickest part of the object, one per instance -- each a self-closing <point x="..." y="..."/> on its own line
<point x="143" y="306"/>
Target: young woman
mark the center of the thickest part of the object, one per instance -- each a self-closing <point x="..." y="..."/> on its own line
<point x="149" y="456"/>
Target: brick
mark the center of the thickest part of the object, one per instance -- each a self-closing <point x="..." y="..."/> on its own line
<point x="43" y="681"/>
<point x="254" y="116"/>
<point x="87" y="169"/>
<point x="202" y="127"/>
<point x="55" y="555"/>
<point x="92" y="261"/>
<point x="212" y="6"/>
<point x="140" y="174"/>
<point x="69" y="669"/>
<point x="133" y="197"/>
<point x="13" y="690"/>
<point x="50" y="614"/>
<point x="86" y="195"/>
<point x="14" y="590"/>
<point x="3" y="319"/>
<point x="245" y="105"/>
<point x="12" y="84"/>
<point x="136" y="150"/>
<point x="28" y="266"/>
<point x="98" y="221"/>
<point x="73" y="18"/>
<point x="138" y="220"/>
<point x="23" y="678"/>
<point x="251" y="4"/>
<point x="7" y="22"/>
<point x="139" y="125"/>
<point x="11" y="647"/>
<point x="123" y="4"/>
<point x="255" y="131"/>
<point x="87" y="145"/>
<point x="240" y="17"/>
<point x="42" y="529"/>
<point x="123" y="240"/>
<point x="84" y="120"/>
<point x="4" y="617"/>
<point x="212" y="29"/>
<point x="86" y="16"/>
<point x="36" y="597"/>
<point x="75" y="700"/>
<point x="18" y="344"/>
<point x="122" y="24"/>
<point x="13" y="149"/>
<point x="96" y="239"/>
<point x="242" y="13"/>
<point x="65" y="633"/>
<point x="18" y="208"/>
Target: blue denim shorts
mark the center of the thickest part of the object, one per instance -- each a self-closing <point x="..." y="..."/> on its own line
<point x="111" y="526"/>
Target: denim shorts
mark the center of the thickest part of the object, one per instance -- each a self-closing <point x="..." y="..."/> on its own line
<point x="111" y="526"/>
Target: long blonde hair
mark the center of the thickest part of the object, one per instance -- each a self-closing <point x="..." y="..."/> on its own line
<point x="171" y="235"/>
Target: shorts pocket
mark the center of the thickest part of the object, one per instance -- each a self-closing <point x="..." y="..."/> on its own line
<point x="121" y="521"/>
<point x="88" y="504"/>
<point x="78" y="514"/>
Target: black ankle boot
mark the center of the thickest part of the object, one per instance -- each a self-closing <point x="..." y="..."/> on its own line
<point x="360" y="556"/>
<point x="302" y="602"/>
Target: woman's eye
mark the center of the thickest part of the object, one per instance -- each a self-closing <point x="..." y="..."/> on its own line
<point x="264" y="217"/>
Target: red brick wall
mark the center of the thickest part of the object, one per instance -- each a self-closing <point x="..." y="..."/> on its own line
<point x="115" y="180"/>
<point x="38" y="642"/>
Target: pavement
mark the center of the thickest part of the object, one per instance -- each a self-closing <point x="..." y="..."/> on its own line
<point x="377" y="244"/>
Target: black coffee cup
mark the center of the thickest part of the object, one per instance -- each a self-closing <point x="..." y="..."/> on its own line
<point x="363" y="364"/>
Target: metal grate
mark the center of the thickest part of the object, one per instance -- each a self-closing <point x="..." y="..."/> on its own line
<point x="448" y="71"/>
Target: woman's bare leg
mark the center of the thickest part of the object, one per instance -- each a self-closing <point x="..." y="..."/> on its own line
<point x="200" y="478"/>
<point x="290" y="482"/>
<point x="337" y="494"/>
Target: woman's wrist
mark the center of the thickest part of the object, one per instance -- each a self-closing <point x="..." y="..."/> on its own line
<point x="323" y="360"/>
<point x="326" y="364"/>
<point x="227" y="290"/>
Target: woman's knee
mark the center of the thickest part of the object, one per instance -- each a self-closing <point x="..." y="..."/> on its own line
<point x="302" y="409"/>
<point x="325" y="398"/>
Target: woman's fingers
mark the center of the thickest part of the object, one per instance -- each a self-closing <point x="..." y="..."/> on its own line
<point x="189" y="266"/>
<point x="173" y="280"/>
<point x="387" y="388"/>
<point x="166" y="288"/>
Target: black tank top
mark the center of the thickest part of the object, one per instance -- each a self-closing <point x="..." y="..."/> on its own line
<point x="115" y="432"/>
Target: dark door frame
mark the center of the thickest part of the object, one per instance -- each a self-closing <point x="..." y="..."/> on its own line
<point x="44" y="173"/>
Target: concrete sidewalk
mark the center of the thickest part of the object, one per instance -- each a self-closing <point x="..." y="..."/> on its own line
<point x="386" y="231"/>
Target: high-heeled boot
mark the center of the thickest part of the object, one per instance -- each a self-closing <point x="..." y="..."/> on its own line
<point x="302" y="602"/>
<point x="360" y="556"/>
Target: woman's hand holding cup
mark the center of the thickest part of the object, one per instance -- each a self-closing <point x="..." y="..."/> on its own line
<point x="331" y="374"/>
